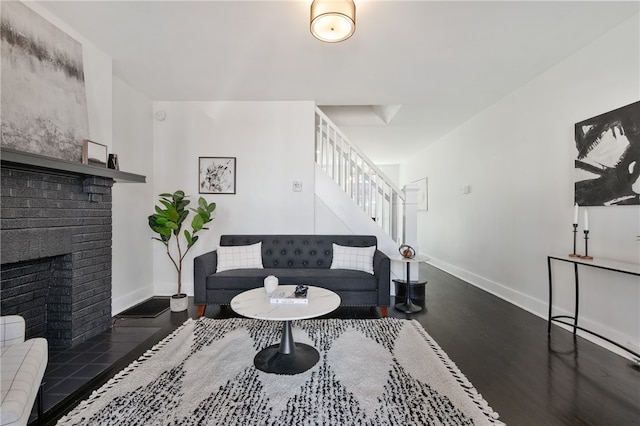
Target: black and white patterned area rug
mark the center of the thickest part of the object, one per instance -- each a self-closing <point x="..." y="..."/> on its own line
<point x="371" y="372"/>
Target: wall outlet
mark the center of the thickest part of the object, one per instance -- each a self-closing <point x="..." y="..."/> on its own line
<point x="466" y="189"/>
<point x="297" y="186"/>
<point x="637" y="237"/>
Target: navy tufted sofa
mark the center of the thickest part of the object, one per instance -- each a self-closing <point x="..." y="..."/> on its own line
<point x="294" y="259"/>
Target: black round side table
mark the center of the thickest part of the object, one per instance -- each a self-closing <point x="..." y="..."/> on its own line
<point x="408" y="306"/>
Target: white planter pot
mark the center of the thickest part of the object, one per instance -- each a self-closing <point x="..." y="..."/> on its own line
<point x="179" y="302"/>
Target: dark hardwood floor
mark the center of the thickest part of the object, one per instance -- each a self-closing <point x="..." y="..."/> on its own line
<point x="503" y="350"/>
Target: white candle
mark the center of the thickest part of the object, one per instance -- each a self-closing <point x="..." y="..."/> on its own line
<point x="586" y="220"/>
<point x="575" y="214"/>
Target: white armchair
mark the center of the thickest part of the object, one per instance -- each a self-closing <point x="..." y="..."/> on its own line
<point x="22" y="366"/>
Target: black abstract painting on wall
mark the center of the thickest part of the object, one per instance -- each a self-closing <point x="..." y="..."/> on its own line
<point x="607" y="165"/>
<point x="43" y="101"/>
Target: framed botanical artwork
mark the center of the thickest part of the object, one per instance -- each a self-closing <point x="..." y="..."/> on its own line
<point x="94" y="153"/>
<point x="217" y="175"/>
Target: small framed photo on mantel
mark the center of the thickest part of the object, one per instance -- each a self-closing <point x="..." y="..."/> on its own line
<point x="94" y="153"/>
<point x="217" y="175"/>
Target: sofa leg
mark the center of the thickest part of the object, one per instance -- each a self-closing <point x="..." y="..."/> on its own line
<point x="201" y="309"/>
<point x="384" y="310"/>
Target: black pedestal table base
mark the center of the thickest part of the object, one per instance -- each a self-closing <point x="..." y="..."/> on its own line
<point x="271" y="360"/>
<point x="288" y="357"/>
<point x="408" y="307"/>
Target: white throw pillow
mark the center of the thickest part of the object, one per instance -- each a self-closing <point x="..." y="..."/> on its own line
<point x="240" y="257"/>
<point x="357" y="258"/>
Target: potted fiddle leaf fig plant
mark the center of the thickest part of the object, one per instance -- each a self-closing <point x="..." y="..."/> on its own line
<point x="167" y="222"/>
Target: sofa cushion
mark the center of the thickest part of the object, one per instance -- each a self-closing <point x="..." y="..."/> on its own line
<point x="240" y="257"/>
<point x="332" y="279"/>
<point x="356" y="258"/>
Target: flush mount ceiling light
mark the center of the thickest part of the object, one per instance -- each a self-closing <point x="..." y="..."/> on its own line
<point x="333" y="20"/>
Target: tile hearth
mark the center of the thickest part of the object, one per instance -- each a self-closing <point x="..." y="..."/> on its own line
<point x="71" y="370"/>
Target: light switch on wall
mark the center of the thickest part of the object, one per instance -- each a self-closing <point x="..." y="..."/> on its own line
<point x="466" y="189"/>
<point x="297" y="186"/>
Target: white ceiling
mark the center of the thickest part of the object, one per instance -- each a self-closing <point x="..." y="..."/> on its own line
<point x="441" y="61"/>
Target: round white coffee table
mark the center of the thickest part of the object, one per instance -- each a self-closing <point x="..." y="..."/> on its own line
<point x="287" y="357"/>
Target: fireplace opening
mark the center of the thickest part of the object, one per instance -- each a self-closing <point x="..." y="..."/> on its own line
<point x="39" y="290"/>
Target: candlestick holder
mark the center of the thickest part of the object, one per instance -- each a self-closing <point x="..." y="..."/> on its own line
<point x="575" y="232"/>
<point x="586" y="246"/>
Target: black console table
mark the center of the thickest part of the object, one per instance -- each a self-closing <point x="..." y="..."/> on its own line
<point x="610" y="265"/>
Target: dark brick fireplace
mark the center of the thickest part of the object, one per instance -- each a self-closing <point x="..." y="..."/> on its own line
<point x="56" y="252"/>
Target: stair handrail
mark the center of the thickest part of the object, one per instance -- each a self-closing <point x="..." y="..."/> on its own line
<point x="392" y="223"/>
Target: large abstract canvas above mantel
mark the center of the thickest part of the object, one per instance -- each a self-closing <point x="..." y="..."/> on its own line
<point x="607" y="165"/>
<point x="43" y="102"/>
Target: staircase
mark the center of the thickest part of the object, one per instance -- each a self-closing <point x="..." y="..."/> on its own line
<point x="358" y="177"/>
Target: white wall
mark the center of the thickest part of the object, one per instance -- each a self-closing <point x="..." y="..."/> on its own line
<point x="517" y="156"/>
<point x="132" y="271"/>
<point x="273" y="143"/>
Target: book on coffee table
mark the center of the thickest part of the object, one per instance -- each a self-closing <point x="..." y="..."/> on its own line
<point x="286" y="297"/>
